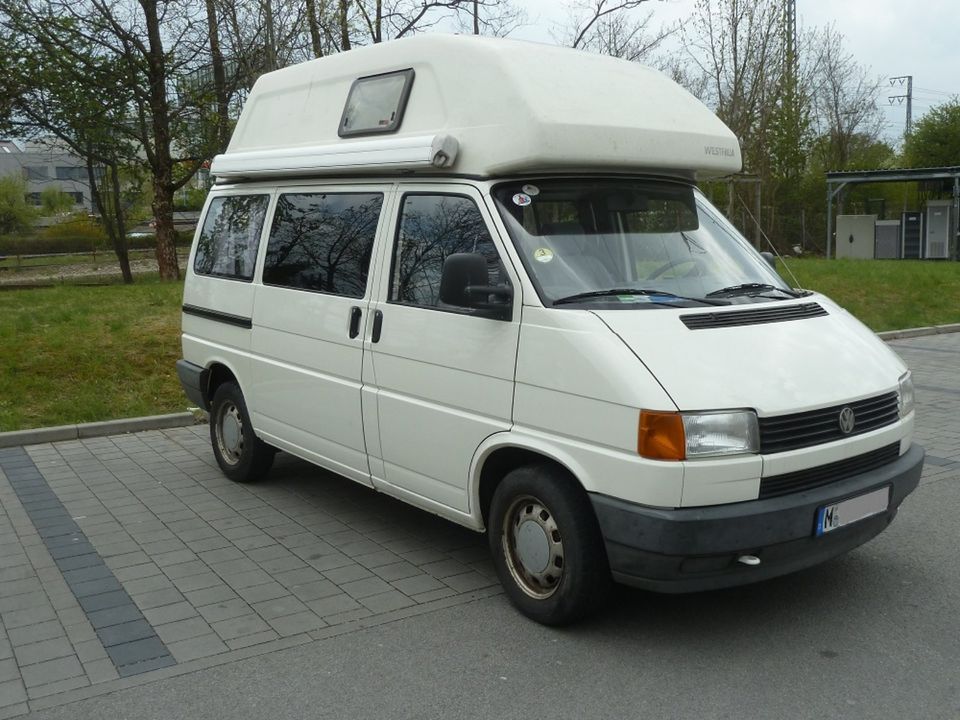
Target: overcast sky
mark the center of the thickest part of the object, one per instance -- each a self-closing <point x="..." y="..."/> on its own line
<point x="891" y="37"/>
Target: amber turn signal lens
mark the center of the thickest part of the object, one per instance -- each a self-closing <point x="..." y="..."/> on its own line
<point x="661" y="436"/>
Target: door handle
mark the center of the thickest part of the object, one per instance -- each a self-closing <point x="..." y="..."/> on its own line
<point x="377" y="326"/>
<point x="355" y="315"/>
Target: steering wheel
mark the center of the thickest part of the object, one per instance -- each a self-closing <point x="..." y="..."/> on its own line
<point x="698" y="268"/>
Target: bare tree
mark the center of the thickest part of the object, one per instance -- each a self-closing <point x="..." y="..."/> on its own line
<point x="612" y="27"/>
<point x="846" y="111"/>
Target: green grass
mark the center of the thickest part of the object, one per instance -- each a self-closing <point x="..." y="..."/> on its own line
<point x="72" y="353"/>
<point x="885" y="294"/>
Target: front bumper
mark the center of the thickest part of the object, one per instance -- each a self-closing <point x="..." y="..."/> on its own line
<point x="692" y="549"/>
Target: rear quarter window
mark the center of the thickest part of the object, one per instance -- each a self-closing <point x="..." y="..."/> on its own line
<point x="230" y="236"/>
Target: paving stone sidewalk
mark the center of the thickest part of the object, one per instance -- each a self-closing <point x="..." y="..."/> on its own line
<point x="130" y="558"/>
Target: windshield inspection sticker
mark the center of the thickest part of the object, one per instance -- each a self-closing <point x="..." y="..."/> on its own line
<point x="543" y="255"/>
<point x="521" y="199"/>
<point x="531" y="190"/>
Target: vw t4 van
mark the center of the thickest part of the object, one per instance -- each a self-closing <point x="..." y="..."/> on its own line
<point x="477" y="275"/>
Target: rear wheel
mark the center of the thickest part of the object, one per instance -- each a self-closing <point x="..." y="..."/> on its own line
<point x="241" y="455"/>
<point x="547" y="546"/>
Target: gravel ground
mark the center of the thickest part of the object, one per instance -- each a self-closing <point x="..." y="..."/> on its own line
<point x="51" y="274"/>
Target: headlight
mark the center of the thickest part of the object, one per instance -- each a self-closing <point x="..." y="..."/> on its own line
<point x="678" y="436"/>
<point x="905" y="394"/>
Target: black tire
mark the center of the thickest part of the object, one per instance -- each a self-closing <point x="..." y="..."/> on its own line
<point x="241" y="455"/>
<point x="571" y="577"/>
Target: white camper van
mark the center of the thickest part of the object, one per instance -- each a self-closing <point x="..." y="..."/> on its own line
<point x="477" y="275"/>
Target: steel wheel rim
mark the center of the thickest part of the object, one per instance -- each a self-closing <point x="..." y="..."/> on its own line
<point x="537" y="570"/>
<point x="229" y="427"/>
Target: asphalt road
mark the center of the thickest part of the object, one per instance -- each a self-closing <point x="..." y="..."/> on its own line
<point x="875" y="634"/>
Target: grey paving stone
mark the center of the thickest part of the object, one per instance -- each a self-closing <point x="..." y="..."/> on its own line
<point x="387" y="601"/>
<point x="207" y="596"/>
<point x="145" y="666"/>
<point x="330" y="561"/>
<point x="347" y="573"/>
<point x="224" y="610"/>
<point x="44" y="650"/>
<point x="89" y="650"/>
<point x="199" y="581"/>
<point x="197" y="647"/>
<point x="348" y="616"/>
<point x="137" y="557"/>
<point x="365" y="588"/>
<point x="417" y="584"/>
<point x="169" y="613"/>
<point x="9" y="670"/>
<point x="35" y="633"/>
<point x="91" y="588"/>
<point x="51" y="671"/>
<point x="136" y="572"/>
<point x="152" y="584"/>
<point x="104" y="601"/>
<point x="468" y="581"/>
<point x="297" y="623"/>
<point x="262" y="593"/>
<point x="100" y="670"/>
<point x="279" y="607"/>
<point x="94" y="572"/>
<point x="333" y="605"/>
<point x="249" y="640"/>
<point x="182" y="630"/>
<point x="29" y="616"/>
<point x="58" y="686"/>
<point x="137" y="651"/>
<point x="247" y="624"/>
<point x="22" y="602"/>
<point x="79" y="561"/>
<point x="149" y="600"/>
<point x="192" y="567"/>
<point x="247" y="579"/>
<point x="233" y="567"/>
<point x="19" y="587"/>
<point x="11" y="693"/>
<point x="6" y="649"/>
<point x="315" y="590"/>
<point x="432" y="595"/>
<point x="80" y="631"/>
<point x="124" y="633"/>
<point x="396" y="571"/>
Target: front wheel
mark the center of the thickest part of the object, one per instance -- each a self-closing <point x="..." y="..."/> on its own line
<point x="547" y="546"/>
<point x="241" y="455"/>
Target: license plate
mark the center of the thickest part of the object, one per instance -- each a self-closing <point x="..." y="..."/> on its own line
<point x="851" y="510"/>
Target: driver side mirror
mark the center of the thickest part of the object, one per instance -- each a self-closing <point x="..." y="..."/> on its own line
<point x="465" y="283"/>
<point x="771" y="260"/>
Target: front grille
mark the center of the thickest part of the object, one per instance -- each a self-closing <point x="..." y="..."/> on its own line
<point x="825" y="474"/>
<point x="800" y="430"/>
<point x="760" y="316"/>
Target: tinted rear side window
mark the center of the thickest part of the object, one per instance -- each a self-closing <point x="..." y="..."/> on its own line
<point x="230" y="237"/>
<point x="323" y="242"/>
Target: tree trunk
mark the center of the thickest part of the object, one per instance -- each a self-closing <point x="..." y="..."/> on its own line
<point x="344" y="26"/>
<point x="110" y="216"/>
<point x="219" y="79"/>
<point x="162" y="162"/>
<point x="314" y="27"/>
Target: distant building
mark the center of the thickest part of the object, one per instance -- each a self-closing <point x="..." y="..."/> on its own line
<point x="47" y="164"/>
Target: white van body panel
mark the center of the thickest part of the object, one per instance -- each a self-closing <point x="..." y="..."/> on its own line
<point x="773" y="368"/>
<point x="442" y="380"/>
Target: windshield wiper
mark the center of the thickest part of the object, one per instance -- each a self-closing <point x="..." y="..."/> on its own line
<point x="629" y="291"/>
<point x="750" y="289"/>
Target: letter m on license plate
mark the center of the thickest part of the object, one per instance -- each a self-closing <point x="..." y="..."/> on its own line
<point x="851" y="510"/>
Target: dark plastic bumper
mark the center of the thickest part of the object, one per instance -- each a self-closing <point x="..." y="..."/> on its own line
<point x="692" y="549"/>
<point x="194" y="379"/>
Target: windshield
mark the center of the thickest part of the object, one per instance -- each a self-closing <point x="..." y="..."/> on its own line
<point x="625" y="242"/>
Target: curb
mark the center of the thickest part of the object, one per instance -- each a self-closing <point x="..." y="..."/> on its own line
<point x="95" y="429"/>
<point x="919" y="332"/>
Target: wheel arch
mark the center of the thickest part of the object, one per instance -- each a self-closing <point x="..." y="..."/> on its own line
<point x="503" y="452"/>
<point x="217" y="372"/>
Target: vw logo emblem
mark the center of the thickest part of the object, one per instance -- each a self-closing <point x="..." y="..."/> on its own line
<point x="847" y="420"/>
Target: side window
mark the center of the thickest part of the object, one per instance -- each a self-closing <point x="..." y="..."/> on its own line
<point x="230" y="236"/>
<point x="323" y="242"/>
<point x="432" y="227"/>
